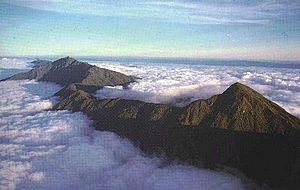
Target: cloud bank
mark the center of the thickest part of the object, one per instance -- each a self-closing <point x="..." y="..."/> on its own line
<point x="42" y="149"/>
<point x="181" y="84"/>
<point x="12" y="63"/>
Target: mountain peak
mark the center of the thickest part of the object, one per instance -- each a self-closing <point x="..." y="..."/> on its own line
<point x="66" y="61"/>
<point x="68" y="58"/>
<point x="241" y="108"/>
<point x="238" y="85"/>
<point x="239" y="88"/>
<point x="67" y="70"/>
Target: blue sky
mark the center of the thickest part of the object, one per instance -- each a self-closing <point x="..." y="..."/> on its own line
<point x="229" y="29"/>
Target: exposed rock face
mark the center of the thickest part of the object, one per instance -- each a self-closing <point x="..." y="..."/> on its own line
<point x="238" y="128"/>
<point x="67" y="71"/>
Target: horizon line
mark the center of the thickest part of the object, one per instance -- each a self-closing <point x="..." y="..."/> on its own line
<point x="150" y="57"/>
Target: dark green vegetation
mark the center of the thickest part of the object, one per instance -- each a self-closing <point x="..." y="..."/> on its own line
<point x="238" y="128"/>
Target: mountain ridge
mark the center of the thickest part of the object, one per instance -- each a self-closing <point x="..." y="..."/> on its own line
<point x="239" y="108"/>
<point x="239" y="128"/>
<point x="67" y="70"/>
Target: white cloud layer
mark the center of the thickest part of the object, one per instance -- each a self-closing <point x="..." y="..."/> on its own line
<point x="42" y="149"/>
<point x="181" y="84"/>
<point x="12" y="63"/>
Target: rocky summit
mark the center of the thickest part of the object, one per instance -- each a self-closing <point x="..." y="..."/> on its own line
<point x="239" y="128"/>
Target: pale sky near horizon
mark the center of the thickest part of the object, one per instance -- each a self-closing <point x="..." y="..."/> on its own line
<point x="229" y="29"/>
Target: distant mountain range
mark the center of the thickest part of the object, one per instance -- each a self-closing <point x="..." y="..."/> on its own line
<point x="239" y="128"/>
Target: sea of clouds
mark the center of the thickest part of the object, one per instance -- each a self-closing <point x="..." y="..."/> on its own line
<point x="43" y="149"/>
<point x="180" y="84"/>
<point x="14" y="63"/>
<point x="11" y="66"/>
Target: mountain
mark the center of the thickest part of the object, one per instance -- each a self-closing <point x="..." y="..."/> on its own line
<point x="239" y="128"/>
<point x="239" y="108"/>
<point x="67" y="70"/>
